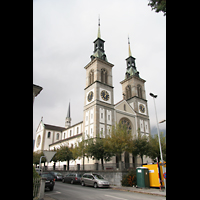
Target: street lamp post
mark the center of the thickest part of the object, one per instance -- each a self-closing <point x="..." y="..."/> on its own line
<point x="154" y="96"/>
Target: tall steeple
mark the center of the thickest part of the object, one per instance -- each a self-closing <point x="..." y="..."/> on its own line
<point x="130" y="62"/>
<point x="68" y="118"/>
<point x="99" y="34"/>
<point x="129" y="48"/>
<point x="99" y="46"/>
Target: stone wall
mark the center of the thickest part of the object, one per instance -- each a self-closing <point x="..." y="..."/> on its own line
<point x="114" y="177"/>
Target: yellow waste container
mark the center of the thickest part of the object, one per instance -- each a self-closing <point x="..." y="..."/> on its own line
<point x="153" y="175"/>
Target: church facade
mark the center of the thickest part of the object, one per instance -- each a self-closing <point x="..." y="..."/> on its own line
<point x="100" y="112"/>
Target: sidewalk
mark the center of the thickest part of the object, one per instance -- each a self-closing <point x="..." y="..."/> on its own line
<point x="152" y="191"/>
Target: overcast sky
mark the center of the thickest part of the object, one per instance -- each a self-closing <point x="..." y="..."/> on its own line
<point x="63" y="35"/>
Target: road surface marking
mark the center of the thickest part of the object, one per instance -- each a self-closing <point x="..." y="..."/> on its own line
<point x="115" y="197"/>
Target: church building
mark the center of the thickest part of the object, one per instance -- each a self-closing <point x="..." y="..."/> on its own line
<point x="100" y="111"/>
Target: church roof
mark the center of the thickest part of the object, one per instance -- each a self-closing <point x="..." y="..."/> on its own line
<point x="54" y="128"/>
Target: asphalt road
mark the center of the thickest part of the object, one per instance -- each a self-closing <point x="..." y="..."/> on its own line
<point x="67" y="191"/>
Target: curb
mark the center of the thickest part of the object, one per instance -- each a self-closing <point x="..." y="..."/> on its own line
<point x="126" y="190"/>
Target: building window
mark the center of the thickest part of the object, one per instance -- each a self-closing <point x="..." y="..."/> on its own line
<point x="126" y="122"/>
<point x="77" y="130"/>
<point x="49" y="135"/>
<point x="128" y="92"/>
<point x="91" y="76"/>
<point x="108" y="117"/>
<point x="64" y="136"/>
<point x="139" y="91"/>
<point x="103" y="76"/>
<point x="70" y="133"/>
<point x="125" y="107"/>
<point x="57" y="136"/>
<point x="101" y="115"/>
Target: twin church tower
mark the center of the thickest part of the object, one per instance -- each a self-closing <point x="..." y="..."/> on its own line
<point x="100" y="112"/>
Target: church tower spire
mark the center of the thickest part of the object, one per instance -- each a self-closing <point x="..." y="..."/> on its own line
<point x="99" y="34"/>
<point x="68" y="118"/>
<point x="130" y="63"/>
<point x="129" y="48"/>
<point x="99" y="51"/>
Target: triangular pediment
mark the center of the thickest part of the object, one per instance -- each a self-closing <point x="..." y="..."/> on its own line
<point x="125" y="107"/>
<point x="40" y="126"/>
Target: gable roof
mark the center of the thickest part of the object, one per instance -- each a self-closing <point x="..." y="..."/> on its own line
<point x="129" y="109"/>
<point x="54" y="128"/>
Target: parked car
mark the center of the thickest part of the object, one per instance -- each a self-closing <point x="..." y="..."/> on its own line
<point x="95" y="180"/>
<point x="50" y="180"/>
<point x="57" y="175"/>
<point x="72" y="178"/>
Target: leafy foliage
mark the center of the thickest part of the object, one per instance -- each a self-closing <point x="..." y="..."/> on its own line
<point x="154" y="150"/>
<point x="158" y="5"/>
<point x="140" y="146"/>
<point x="35" y="174"/>
<point x="129" y="179"/>
<point x="119" y="139"/>
<point x="99" y="149"/>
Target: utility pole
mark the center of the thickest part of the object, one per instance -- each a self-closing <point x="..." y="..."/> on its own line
<point x="154" y="96"/>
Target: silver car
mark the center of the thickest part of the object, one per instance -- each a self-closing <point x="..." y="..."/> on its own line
<point x="95" y="180"/>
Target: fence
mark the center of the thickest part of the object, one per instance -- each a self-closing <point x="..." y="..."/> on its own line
<point x="36" y="187"/>
<point x="94" y="167"/>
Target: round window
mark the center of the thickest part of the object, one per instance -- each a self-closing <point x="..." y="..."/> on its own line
<point x="38" y="141"/>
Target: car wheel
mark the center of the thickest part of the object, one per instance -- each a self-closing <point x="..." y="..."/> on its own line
<point x="82" y="183"/>
<point x="95" y="185"/>
<point x="72" y="181"/>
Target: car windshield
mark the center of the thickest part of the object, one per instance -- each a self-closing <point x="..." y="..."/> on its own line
<point x="78" y="175"/>
<point x="47" y="175"/>
<point x="59" y="174"/>
<point x="98" y="176"/>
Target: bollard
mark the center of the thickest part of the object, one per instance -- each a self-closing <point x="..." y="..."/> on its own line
<point x="42" y="188"/>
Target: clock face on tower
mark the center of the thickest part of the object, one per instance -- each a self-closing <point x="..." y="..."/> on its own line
<point x="142" y="108"/>
<point x="104" y="95"/>
<point x="90" y="96"/>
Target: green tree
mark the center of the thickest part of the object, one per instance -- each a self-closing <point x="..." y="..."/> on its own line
<point x="99" y="149"/>
<point x="36" y="158"/>
<point x="81" y="150"/>
<point x="140" y="145"/>
<point x="158" y="5"/>
<point x="119" y="139"/>
<point x="64" y="153"/>
<point x="154" y="150"/>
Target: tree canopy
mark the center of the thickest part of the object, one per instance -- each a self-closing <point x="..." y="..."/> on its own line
<point x="158" y="5"/>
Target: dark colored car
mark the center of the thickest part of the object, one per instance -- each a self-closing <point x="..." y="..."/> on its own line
<point x="57" y="175"/>
<point x="72" y="178"/>
<point x="50" y="180"/>
<point x="95" y="180"/>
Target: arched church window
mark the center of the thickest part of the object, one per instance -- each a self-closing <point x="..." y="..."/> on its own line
<point x="126" y="122"/>
<point x="91" y="76"/>
<point x="103" y="76"/>
<point x="128" y="92"/>
<point x="139" y="91"/>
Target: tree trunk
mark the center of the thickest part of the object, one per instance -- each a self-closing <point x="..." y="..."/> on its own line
<point x="142" y="158"/>
<point x="102" y="164"/>
<point x="83" y="162"/>
<point x="68" y="165"/>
